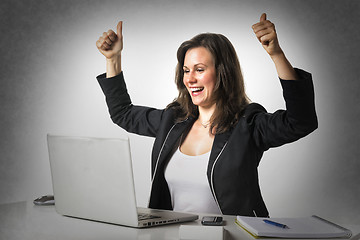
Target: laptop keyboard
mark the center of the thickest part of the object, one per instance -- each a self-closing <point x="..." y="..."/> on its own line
<point x="145" y="216"/>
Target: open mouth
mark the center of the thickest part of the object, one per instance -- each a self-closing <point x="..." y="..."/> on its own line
<point x="196" y="90"/>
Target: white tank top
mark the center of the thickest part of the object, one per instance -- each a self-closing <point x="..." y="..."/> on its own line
<point x="188" y="184"/>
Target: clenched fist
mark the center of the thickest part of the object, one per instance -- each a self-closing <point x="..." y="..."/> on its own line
<point x="110" y="44"/>
<point x="266" y="34"/>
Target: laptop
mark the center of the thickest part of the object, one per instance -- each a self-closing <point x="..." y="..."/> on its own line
<point x="93" y="179"/>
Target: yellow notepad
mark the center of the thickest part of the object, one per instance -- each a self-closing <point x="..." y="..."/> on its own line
<point x="305" y="227"/>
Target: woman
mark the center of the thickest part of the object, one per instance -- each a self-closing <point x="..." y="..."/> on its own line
<point x="209" y="141"/>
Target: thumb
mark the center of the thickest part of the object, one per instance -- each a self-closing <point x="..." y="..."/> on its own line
<point x="263" y="17"/>
<point x="119" y="29"/>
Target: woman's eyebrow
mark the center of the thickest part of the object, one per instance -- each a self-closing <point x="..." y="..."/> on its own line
<point x="196" y="65"/>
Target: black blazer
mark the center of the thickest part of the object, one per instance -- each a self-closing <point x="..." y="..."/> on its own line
<point x="235" y="155"/>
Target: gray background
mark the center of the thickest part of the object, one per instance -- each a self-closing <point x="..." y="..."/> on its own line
<point x="49" y="62"/>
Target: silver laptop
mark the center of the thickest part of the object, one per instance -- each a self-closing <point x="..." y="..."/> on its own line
<point x="93" y="179"/>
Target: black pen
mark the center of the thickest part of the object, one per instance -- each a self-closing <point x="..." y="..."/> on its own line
<point x="275" y="223"/>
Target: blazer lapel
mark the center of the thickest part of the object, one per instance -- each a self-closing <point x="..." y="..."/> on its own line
<point x="172" y="140"/>
<point x="218" y="145"/>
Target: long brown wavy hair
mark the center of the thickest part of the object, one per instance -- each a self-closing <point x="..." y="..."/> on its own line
<point x="229" y="88"/>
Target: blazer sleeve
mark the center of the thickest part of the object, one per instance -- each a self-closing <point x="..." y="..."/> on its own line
<point x="285" y="126"/>
<point x="134" y="119"/>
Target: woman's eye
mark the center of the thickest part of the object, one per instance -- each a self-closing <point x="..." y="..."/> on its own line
<point x="186" y="71"/>
<point x="200" y="69"/>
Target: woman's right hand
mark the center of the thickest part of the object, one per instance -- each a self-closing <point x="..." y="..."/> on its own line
<point x="110" y="44"/>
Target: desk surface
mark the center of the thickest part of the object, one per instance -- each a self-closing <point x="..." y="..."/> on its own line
<point x="23" y="220"/>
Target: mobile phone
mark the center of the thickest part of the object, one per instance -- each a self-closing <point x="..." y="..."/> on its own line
<point x="212" y="221"/>
<point x="45" y="200"/>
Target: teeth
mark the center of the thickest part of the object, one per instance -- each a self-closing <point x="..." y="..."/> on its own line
<point x="196" y="89"/>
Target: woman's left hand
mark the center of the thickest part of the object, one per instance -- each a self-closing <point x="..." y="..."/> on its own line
<point x="266" y="34"/>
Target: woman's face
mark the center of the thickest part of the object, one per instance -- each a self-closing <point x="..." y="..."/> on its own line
<point x="200" y="76"/>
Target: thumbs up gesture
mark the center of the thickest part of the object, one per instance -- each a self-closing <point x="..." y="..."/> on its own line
<point x="110" y="44"/>
<point x="266" y="34"/>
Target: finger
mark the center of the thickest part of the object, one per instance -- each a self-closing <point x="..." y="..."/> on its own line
<point x="119" y="29"/>
<point x="263" y="25"/>
<point x="98" y="44"/>
<point x="263" y="17"/>
<point x="105" y="38"/>
<point x="260" y="25"/>
<point x="112" y="35"/>
<point x="101" y="44"/>
<point x="263" y="33"/>
<point x="266" y="39"/>
<point x="108" y="41"/>
<point x="105" y="46"/>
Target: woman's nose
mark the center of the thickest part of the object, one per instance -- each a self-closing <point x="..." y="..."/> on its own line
<point x="191" y="77"/>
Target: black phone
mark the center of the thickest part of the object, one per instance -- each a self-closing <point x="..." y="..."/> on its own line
<point x="212" y="221"/>
<point x="45" y="200"/>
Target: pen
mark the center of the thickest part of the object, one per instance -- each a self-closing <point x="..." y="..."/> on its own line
<point x="275" y="223"/>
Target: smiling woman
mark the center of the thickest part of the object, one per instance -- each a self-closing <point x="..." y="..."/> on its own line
<point x="200" y="77"/>
<point x="218" y="67"/>
<point x="194" y="166"/>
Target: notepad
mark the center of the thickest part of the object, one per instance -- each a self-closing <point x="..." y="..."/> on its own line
<point x="305" y="227"/>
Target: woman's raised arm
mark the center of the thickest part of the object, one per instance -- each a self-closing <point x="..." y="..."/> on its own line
<point x="110" y="44"/>
<point x="266" y="34"/>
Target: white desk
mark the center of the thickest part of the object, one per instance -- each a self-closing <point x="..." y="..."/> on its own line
<point x="23" y="220"/>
